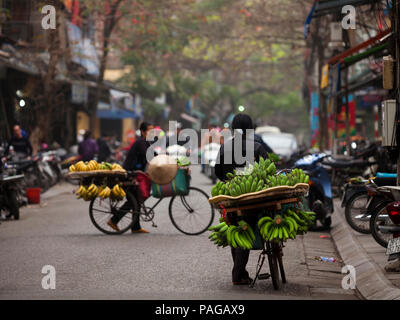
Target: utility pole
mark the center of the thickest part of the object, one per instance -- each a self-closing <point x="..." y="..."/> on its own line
<point x="396" y="32"/>
<point x="346" y="84"/>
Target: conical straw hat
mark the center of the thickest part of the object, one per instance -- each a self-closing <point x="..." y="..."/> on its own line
<point x="162" y="169"/>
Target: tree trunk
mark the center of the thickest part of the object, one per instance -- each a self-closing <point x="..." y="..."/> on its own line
<point x="49" y="86"/>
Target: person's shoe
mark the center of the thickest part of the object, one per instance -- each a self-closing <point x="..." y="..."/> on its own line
<point x="141" y="230"/>
<point x="112" y="225"/>
<point x="243" y="282"/>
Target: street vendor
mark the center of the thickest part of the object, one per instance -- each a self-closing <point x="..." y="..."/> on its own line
<point x="135" y="160"/>
<point x="240" y="123"/>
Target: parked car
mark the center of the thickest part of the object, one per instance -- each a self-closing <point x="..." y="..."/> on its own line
<point x="266" y="129"/>
<point x="283" y="144"/>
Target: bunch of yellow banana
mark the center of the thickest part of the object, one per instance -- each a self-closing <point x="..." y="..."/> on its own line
<point x="81" y="192"/>
<point x="92" y="191"/>
<point x="92" y="165"/>
<point x="117" y="167"/>
<point x="118" y="193"/>
<point x="80" y="166"/>
<point x="87" y="193"/>
<point x="105" y="193"/>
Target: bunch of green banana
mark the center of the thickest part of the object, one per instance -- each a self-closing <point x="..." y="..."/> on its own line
<point x="277" y="228"/>
<point x="105" y="166"/>
<point x="183" y="162"/>
<point x="261" y="169"/>
<point x="241" y="236"/>
<point x="252" y="179"/>
<point x="297" y="176"/>
<point x="303" y="218"/>
<point x="219" y="234"/>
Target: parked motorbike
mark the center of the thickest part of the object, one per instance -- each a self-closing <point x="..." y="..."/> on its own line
<point x="51" y="167"/>
<point x="320" y="193"/>
<point x="361" y="198"/>
<point x="393" y="247"/>
<point x="342" y="170"/>
<point x="365" y="163"/>
<point x="11" y="193"/>
<point x="210" y="155"/>
<point x="381" y="222"/>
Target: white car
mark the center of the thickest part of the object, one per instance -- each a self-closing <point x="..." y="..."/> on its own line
<point x="283" y="144"/>
<point x="266" y="129"/>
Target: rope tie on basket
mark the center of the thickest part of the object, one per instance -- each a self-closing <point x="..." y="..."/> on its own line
<point x="223" y="212"/>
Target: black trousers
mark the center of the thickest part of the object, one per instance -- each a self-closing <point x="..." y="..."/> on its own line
<point x="124" y="209"/>
<point x="240" y="258"/>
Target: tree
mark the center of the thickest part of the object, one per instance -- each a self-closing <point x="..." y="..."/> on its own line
<point x="240" y="47"/>
<point x="109" y="13"/>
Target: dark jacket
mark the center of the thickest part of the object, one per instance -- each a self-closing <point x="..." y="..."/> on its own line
<point x="104" y="150"/>
<point x="172" y="140"/>
<point x="87" y="149"/>
<point x="222" y="168"/>
<point x="136" y="157"/>
<point x="20" y="146"/>
<point x="260" y="140"/>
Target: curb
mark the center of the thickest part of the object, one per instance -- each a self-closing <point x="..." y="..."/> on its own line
<point x="60" y="190"/>
<point x="371" y="282"/>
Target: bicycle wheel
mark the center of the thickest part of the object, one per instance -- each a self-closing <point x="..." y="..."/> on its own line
<point x="356" y="213"/>
<point x="279" y="254"/>
<point x="380" y="218"/>
<point x="191" y="214"/>
<point x="273" y="266"/>
<point x="101" y="211"/>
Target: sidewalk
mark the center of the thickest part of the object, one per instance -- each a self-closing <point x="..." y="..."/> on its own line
<point x="58" y="189"/>
<point x="368" y="258"/>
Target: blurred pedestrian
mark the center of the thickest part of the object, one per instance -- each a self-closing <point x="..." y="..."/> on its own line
<point x="88" y="148"/>
<point x="104" y="149"/>
<point x="21" y="145"/>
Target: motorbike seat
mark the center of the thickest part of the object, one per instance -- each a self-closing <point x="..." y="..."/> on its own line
<point x="22" y="164"/>
<point x="380" y="182"/>
<point x="342" y="164"/>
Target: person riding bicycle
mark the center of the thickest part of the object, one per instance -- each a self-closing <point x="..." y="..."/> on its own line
<point x="226" y="163"/>
<point x="135" y="160"/>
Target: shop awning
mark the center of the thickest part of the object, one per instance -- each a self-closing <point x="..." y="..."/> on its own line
<point x="324" y="7"/>
<point x="106" y="110"/>
<point x="116" y="114"/>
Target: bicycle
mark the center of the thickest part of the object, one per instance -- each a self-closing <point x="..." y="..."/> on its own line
<point x="191" y="206"/>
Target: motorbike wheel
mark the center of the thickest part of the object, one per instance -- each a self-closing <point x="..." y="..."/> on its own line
<point x="327" y="223"/>
<point x="13" y="205"/>
<point x="321" y="214"/>
<point x="355" y="207"/>
<point x="380" y="217"/>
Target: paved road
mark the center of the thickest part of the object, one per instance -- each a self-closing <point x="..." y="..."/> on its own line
<point x="164" y="264"/>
